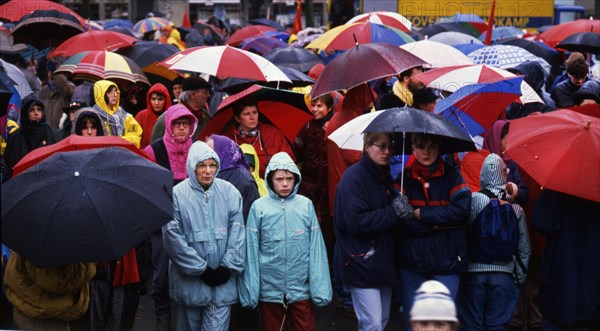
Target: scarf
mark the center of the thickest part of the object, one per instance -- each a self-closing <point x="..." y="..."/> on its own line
<point x="114" y="125"/>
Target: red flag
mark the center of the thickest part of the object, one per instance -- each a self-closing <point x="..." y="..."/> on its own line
<point x="298" y="19"/>
<point x="186" y="20"/>
<point x="488" y="34"/>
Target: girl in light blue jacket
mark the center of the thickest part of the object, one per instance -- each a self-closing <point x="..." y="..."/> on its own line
<point x="286" y="267"/>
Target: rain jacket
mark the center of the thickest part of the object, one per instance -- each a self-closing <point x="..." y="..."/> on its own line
<point x="262" y="185"/>
<point x="534" y="76"/>
<point x="563" y="94"/>
<point x="493" y="178"/>
<point x="207" y="230"/>
<point x="147" y="117"/>
<point x="177" y="151"/>
<point x="286" y="252"/>
<point x="116" y="121"/>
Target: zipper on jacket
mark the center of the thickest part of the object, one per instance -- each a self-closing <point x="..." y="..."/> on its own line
<point x="285" y="288"/>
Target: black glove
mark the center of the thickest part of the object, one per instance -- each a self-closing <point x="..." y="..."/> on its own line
<point x="403" y="209"/>
<point x="215" y="277"/>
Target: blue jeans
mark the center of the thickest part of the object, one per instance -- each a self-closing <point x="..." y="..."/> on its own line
<point x="338" y="283"/>
<point x="410" y="281"/>
<point x="486" y="300"/>
<point x="372" y="307"/>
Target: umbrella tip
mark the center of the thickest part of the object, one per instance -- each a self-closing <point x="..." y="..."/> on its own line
<point x="355" y="41"/>
<point x="587" y="124"/>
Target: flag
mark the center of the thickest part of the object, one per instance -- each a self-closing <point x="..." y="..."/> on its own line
<point x="488" y="34"/>
<point x="298" y="19"/>
<point x="186" y="20"/>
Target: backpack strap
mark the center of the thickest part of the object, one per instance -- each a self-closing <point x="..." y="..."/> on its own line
<point x="491" y="195"/>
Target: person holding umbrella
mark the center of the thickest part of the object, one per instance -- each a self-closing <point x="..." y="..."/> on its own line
<point x="205" y="243"/>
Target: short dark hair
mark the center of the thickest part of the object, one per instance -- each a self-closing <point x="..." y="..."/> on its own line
<point x="370" y="137"/>
<point x="327" y="99"/>
<point x="578" y="68"/>
<point x="110" y="88"/>
<point x="420" y="138"/>
<point x="239" y="106"/>
<point x="409" y="72"/>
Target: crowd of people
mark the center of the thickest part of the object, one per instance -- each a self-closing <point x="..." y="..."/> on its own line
<point x="265" y="229"/>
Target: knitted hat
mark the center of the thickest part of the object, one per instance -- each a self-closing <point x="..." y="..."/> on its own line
<point x="433" y="303"/>
<point x="193" y="83"/>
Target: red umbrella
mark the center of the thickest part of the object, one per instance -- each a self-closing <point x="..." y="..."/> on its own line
<point x="286" y="110"/>
<point x="95" y="40"/>
<point x="384" y="18"/>
<point x="556" y="34"/>
<point x="238" y="37"/>
<point x="15" y="9"/>
<point x="560" y="150"/>
<point x="74" y="143"/>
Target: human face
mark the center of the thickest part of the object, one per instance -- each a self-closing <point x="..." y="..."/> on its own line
<point x="577" y="80"/>
<point x="503" y="141"/>
<point x="157" y="102"/>
<point x="205" y="172"/>
<point x="414" y="84"/>
<point x="431" y="326"/>
<point x="35" y="113"/>
<point x="380" y="151"/>
<point x="177" y="89"/>
<point x="113" y="96"/>
<point x="181" y="128"/>
<point x="248" y="118"/>
<point x="426" y="153"/>
<point x="319" y="109"/>
<point x="283" y="182"/>
<point x="201" y="95"/>
<point x="89" y="130"/>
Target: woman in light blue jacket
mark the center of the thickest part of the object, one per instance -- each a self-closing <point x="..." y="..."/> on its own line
<point x="286" y="269"/>
<point x="205" y="243"/>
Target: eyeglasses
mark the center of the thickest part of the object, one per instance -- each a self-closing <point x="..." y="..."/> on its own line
<point x="383" y="148"/>
<point x="185" y="124"/>
<point x="203" y="166"/>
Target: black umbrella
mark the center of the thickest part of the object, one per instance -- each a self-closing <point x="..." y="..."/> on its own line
<point x="85" y="206"/>
<point x="536" y="48"/>
<point x="46" y="28"/>
<point x="125" y="30"/>
<point x="266" y="22"/>
<point x="145" y="53"/>
<point x="215" y="32"/>
<point x="433" y="29"/>
<point x="293" y="57"/>
<point x="586" y="42"/>
<point x="237" y="85"/>
<point x="5" y="92"/>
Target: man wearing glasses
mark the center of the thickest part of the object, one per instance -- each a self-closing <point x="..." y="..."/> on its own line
<point x="577" y="71"/>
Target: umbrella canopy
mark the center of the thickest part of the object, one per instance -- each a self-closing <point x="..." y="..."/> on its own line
<point x="95" y="40"/>
<point x="14" y="10"/>
<point x="468" y="48"/>
<point x="469" y="20"/>
<point x="437" y="28"/>
<point x="536" y="48"/>
<point x="92" y="26"/>
<point x="225" y="61"/>
<point x="430" y="52"/>
<point x="350" y="135"/>
<point x="266" y="22"/>
<point x="215" y="32"/>
<point x="238" y="37"/>
<point x="46" y="28"/>
<point x="560" y="150"/>
<point x="23" y="87"/>
<point x="95" y="65"/>
<point x="558" y="33"/>
<point x="454" y="38"/>
<point x="476" y="107"/>
<point x="150" y="24"/>
<point x="453" y="78"/>
<point x="6" y="92"/>
<point x="384" y="18"/>
<point x="125" y="30"/>
<point x="7" y="46"/>
<point x="391" y="60"/>
<point x="586" y="42"/>
<point x="409" y="120"/>
<point x="85" y="206"/>
<point x="262" y="44"/>
<point x="346" y="36"/>
<point x="286" y="110"/>
<point x="73" y="143"/>
<point x="506" y="56"/>
<point x="118" y="22"/>
<point x="293" y="57"/>
<point x="237" y="85"/>
<point x="503" y="32"/>
<point x="144" y="53"/>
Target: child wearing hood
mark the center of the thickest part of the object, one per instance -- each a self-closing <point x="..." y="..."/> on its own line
<point x="286" y="267"/>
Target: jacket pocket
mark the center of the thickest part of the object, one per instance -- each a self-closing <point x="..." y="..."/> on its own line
<point x="201" y="241"/>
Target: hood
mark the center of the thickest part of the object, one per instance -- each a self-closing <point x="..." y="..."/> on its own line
<point x="534" y="74"/>
<point x="174" y="113"/>
<point x="159" y="88"/>
<point x="199" y="152"/>
<point x="282" y="161"/>
<point x="491" y="142"/>
<point x="230" y="153"/>
<point x="85" y="114"/>
<point x="100" y="89"/>
<point x="589" y="90"/>
<point x="493" y="174"/>
<point x="27" y="103"/>
<point x="249" y="149"/>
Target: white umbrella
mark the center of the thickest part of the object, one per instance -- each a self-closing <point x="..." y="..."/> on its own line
<point x="437" y="54"/>
<point x="384" y="18"/>
<point x="18" y="77"/>
<point x="454" y="38"/>
<point x="350" y="135"/>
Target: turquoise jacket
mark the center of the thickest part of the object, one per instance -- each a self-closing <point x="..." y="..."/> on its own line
<point x="285" y="247"/>
<point x="207" y="231"/>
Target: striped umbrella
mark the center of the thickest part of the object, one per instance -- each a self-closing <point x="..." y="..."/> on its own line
<point x="150" y="24"/>
<point x="95" y="65"/>
<point x="92" y="26"/>
<point x="346" y="36"/>
<point x="385" y="18"/>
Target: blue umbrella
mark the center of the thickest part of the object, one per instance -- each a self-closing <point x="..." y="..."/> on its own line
<point x="6" y="92"/>
<point x="262" y="45"/>
<point x="118" y="22"/>
<point x="468" y="48"/>
<point x="503" y="32"/>
<point x="267" y="22"/>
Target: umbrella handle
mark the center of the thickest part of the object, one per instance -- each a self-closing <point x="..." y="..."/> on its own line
<point x="402" y="173"/>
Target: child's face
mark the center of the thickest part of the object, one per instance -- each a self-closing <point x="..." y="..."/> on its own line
<point x="283" y="182"/>
<point x="431" y="326"/>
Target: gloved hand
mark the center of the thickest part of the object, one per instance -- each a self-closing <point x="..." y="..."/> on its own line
<point x="404" y="210"/>
<point x="215" y="277"/>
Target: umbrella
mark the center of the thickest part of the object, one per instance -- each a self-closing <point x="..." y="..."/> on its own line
<point x="350" y="135"/>
<point x="299" y="79"/>
<point x="558" y="33"/>
<point x="46" y="28"/>
<point x="14" y="10"/>
<point x="468" y="48"/>
<point x="384" y="18"/>
<point x="125" y="30"/>
<point x="437" y="28"/>
<point x="225" y="61"/>
<point x="150" y="24"/>
<point x="536" y="48"/>
<point x="346" y="36"/>
<point x="7" y="46"/>
<point x="503" y="32"/>
<point x="6" y="92"/>
<point x="238" y="37"/>
<point x="73" y="143"/>
<point x="94" y="65"/>
<point x="469" y="20"/>
<point x="476" y="107"/>
<point x="23" y="87"/>
<point x="262" y="44"/>
<point x="267" y="22"/>
<point x="93" y="41"/>
<point x="215" y="32"/>
<point x="92" y="26"/>
<point x="430" y="52"/>
<point x="286" y="110"/>
<point x="560" y="150"/>
<point x="453" y="78"/>
<point x="506" y="56"/>
<point x="454" y="38"/>
<point x="158" y="73"/>
<point x="85" y="206"/>
<point x="586" y="42"/>
<point x="118" y="22"/>
<point x="391" y="60"/>
<point x="144" y="53"/>
<point x="293" y="57"/>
